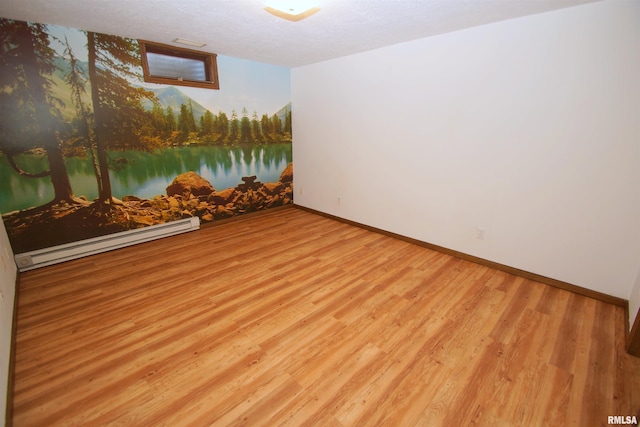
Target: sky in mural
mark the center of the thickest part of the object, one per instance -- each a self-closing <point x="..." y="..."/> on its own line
<point x="259" y="87"/>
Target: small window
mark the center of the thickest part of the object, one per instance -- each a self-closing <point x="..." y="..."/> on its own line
<point x="177" y="66"/>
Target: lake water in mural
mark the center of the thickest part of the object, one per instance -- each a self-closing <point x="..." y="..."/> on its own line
<point x="146" y="174"/>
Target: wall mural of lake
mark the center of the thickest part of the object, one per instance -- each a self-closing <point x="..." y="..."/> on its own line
<point x="87" y="148"/>
<point x="147" y="174"/>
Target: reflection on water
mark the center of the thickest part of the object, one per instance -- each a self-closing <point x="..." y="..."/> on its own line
<point x="145" y="174"/>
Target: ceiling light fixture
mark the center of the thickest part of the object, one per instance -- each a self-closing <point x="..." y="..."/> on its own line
<point x="291" y="10"/>
<point x="189" y="42"/>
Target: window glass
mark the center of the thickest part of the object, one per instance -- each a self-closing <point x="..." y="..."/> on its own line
<point x="173" y="65"/>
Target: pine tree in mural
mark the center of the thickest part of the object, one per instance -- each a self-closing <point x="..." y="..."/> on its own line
<point x="222" y="125"/>
<point x="287" y="123"/>
<point x="245" y="127"/>
<point x="117" y="105"/>
<point x="277" y="125"/>
<point x="191" y="118"/>
<point x="171" y="120"/>
<point x="267" y="126"/>
<point x="76" y="78"/>
<point x="255" y="127"/>
<point x="234" y="127"/>
<point x="29" y="115"/>
<point x="184" y="123"/>
<point x="207" y="126"/>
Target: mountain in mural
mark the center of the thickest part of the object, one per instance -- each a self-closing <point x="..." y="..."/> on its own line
<point x="282" y="113"/>
<point x="63" y="66"/>
<point x="170" y="96"/>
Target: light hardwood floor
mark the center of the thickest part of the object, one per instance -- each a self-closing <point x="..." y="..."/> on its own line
<point x="290" y="318"/>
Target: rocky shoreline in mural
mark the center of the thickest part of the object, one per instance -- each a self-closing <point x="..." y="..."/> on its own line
<point x="189" y="195"/>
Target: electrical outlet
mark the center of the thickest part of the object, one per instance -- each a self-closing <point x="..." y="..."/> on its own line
<point x="339" y="200"/>
<point x="481" y="233"/>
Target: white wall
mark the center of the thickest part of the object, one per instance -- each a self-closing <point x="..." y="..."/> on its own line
<point x="528" y="128"/>
<point x="8" y="273"/>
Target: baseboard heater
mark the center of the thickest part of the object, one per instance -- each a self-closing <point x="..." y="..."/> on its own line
<point x="56" y="254"/>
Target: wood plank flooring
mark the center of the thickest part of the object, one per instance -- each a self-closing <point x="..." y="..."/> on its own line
<point x="290" y="318"/>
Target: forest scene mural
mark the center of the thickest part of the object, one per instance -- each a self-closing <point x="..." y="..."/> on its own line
<point x="88" y="148"/>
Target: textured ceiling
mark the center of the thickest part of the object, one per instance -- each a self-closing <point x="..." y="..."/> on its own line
<point x="243" y="29"/>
